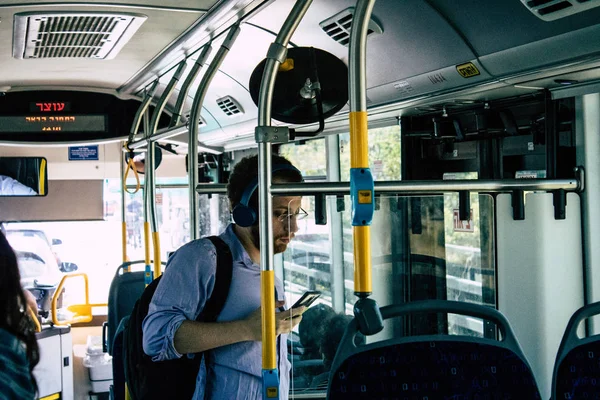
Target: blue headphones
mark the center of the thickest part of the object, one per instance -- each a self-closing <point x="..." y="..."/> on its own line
<point x="243" y="214"/>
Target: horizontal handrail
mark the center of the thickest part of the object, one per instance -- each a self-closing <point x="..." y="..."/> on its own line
<point x="414" y="187"/>
<point x="166" y="133"/>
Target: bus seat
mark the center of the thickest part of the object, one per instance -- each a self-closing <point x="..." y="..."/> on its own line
<point x="433" y="366"/>
<point x="577" y="367"/>
<point x="125" y="289"/>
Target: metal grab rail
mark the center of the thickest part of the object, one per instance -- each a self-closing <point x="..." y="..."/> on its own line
<point x="141" y="111"/>
<point x="175" y="128"/>
<point x="276" y="55"/>
<point x="166" y="133"/>
<point x="416" y="187"/>
<point x="193" y="123"/>
<point x="83" y="312"/>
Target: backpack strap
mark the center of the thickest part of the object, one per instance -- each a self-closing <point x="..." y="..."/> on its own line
<point x="216" y="301"/>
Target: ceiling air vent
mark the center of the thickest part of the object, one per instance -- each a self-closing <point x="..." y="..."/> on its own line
<point x="338" y="27"/>
<point x="79" y="35"/>
<point x="550" y="10"/>
<point x="201" y="121"/>
<point x="230" y="106"/>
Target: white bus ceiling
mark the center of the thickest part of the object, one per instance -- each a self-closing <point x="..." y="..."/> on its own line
<point x="425" y="59"/>
<point x="412" y="62"/>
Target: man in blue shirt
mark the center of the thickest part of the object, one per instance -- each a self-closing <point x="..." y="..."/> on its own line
<point x="12" y="187"/>
<point x="234" y="362"/>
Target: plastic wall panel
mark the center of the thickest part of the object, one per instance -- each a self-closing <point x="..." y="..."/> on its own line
<point x="587" y="109"/>
<point x="66" y="346"/>
<point x="540" y="276"/>
<point x="48" y="372"/>
<point x="67" y="200"/>
<point x="545" y="52"/>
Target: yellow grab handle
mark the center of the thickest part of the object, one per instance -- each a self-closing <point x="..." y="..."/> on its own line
<point x="83" y="312"/>
<point x="269" y="352"/>
<point x="359" y="140"/>
<point x="157" y="264"/>
<point x="34" y="319"/>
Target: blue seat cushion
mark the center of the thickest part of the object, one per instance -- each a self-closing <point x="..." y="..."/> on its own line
<point x="578" y="375"/>
<point x="434" y="370"/>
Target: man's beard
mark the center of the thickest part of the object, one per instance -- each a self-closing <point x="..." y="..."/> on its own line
<point x="255" y="235"/>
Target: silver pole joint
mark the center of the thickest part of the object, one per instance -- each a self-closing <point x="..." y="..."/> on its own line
<point x="272" y="134"/>
<point x="277" y="52"/>
<point x="231" y="36"/>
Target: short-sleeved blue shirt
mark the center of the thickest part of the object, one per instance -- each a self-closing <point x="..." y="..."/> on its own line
<point x="233" y="371"/>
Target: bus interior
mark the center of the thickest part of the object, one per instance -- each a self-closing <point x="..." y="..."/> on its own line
<point x="482" y="142"/>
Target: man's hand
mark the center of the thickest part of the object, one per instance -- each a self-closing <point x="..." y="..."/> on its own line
<point x="285" y="321"/>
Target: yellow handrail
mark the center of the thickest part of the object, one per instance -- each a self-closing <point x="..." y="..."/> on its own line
<point x="81" y="312"/>
<point x="34" y="319"/>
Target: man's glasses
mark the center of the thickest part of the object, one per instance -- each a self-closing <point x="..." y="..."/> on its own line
<point x="298" y="215"/>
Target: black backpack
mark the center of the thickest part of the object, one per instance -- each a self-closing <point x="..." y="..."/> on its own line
<point x="170" y="379"/>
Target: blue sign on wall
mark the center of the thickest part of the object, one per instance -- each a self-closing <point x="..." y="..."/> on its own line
<point x="85" y="153"/>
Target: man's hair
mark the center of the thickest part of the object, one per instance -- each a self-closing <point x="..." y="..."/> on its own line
<point x="247" y="169"/>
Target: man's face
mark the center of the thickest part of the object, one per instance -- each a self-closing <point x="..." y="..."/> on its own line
<point x="284" y="227"/>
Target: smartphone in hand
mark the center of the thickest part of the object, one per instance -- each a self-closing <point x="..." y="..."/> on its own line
<point x="307" y="299"/>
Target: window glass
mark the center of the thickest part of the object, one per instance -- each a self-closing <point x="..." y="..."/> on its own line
<point x="308" y="262"/>
<point x="172" y="215"/>
<point x="384" y="160"/>
<point x="94" y="247"/>
<point x="309" y="157"/>
<point x="384" y="154"/>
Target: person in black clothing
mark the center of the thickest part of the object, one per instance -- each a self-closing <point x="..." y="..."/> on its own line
<point x="19" y="351"/>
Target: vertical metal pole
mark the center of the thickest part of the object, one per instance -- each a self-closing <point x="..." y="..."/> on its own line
<point x="194" y="117"/>
<point x="359" y="147"/>
<point x="275" y="57"/>
<point x="147" y="210"/>
<point x="362" y="189"/>
<point x="123" y="220"/>
<point x="332" y="144"/>
<point x="150" y="170"/>
<point x="151" y="178"/>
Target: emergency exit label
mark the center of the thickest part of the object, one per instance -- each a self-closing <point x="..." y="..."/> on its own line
<point x="463" y="226"/>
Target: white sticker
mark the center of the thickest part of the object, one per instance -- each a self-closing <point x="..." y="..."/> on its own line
<point x="403" y="87"/>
